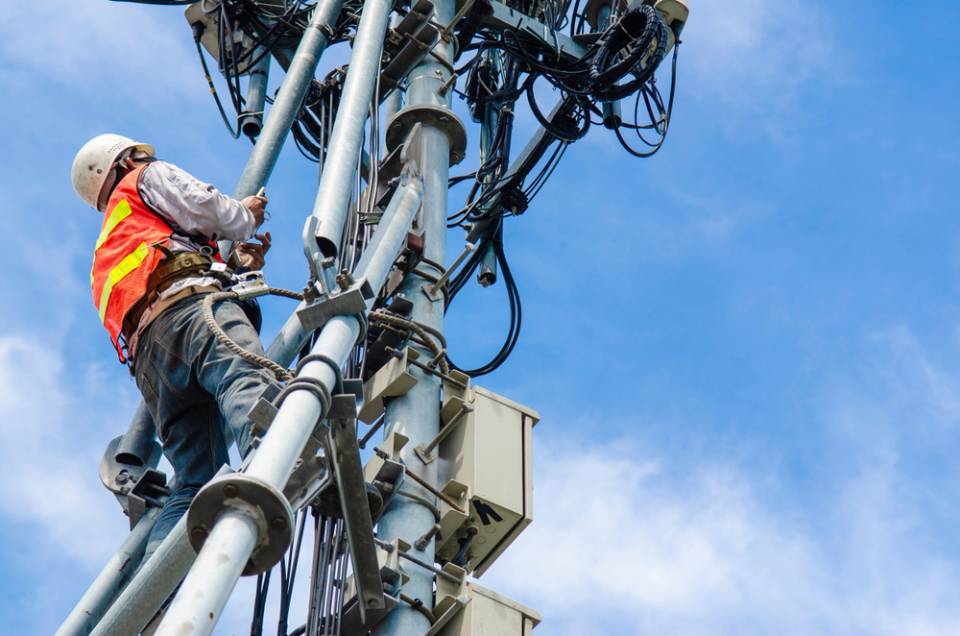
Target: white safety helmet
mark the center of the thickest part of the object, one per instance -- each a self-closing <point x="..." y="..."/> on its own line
<point x="94" y="165"/>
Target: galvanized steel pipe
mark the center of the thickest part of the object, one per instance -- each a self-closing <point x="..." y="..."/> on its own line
<point x="115" y="575"/>
<point x="324" y="230"/>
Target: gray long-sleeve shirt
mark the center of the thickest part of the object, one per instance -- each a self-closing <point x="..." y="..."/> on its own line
<point x="195" y="208"/>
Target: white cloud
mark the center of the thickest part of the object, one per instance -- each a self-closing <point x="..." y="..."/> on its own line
<point x="618" y="533"/>
<point x="121" y="52"/>
<point x="49" y="456"/>
<point x="751" y="58"/>
<point x="630" y="538"/>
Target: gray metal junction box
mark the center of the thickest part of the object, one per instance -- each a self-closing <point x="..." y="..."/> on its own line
<point x="485" y="462"/>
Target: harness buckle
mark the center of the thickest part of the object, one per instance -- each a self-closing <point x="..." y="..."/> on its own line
<point x="249" y="285"/>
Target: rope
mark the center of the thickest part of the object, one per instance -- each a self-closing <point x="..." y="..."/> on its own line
<point x="286" y="293"/>
<point x="282" y="373"/>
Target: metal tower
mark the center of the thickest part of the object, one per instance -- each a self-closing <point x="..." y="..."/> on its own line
<point x="394" y="546"/>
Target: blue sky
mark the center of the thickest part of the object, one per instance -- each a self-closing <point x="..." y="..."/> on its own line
<point x="744" y="350"/>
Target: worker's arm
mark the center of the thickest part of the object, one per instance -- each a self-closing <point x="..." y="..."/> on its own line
<point x="194" y="206"/>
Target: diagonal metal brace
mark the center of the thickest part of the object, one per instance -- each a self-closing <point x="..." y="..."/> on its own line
<point x="345" y="459"/>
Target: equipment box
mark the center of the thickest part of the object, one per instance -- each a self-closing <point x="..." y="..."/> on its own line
<point x="485" y="463"/>
<point x="476" y="611"/>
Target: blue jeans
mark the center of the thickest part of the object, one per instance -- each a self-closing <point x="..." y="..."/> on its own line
<point x="199" y="394"/>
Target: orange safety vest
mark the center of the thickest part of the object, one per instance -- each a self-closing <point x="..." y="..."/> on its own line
<point x="126" y="254"/>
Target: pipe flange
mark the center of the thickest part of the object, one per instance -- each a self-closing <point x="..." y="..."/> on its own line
<point x="403" y="122"/>
<point x="264" y="503"/>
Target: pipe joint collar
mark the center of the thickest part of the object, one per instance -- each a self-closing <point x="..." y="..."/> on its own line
<point x="253" y="497"/>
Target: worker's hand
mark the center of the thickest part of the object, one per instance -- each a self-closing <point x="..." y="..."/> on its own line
<point x="257" y="205"/>
<point x="251" y="255"/>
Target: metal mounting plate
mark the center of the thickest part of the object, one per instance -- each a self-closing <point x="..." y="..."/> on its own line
<point x="349" y="302"/>
<point x="392" y="380"/>
<point x="443" y="118"/>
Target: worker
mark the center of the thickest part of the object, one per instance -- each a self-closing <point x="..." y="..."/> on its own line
<point x="155" y="258"/>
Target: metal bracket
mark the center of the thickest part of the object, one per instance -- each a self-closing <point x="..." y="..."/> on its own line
<point x="266" y="505"/>
<point x="148" y="491"/>
<point x="452" y="519"/>
<point x="435" y="291"/>
<point x="135" y="486"/>
<point x="345" y="458"/>
<point x="387" y="181"/>
<point x="264" y="410"/>
<point x="310" y="477"/>
<point x="393" y="578"/>
<point x="503" y="17"/>
<point x="425" y="451"/>
<point x="420" y="36"/>
<point x="386" y="475"/>
<point x="349" y="302"/>
<point x="451" y="597"/>
<point x="392" y="380"/>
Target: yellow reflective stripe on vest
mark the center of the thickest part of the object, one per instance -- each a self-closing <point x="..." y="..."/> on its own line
<point x="129" y="263"/>
<point x="120" y="211"/>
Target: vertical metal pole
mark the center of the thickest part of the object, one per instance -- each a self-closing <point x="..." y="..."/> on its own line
<point x="487" y="274"/>
<point x="322" y="232"/>
<point x="151" y="587"/>
<point x="394" y="101"/>
<point x="251" y="119"/>
<point x="611" y="110"/>
<point x="111" y="580"/>
<point x="289" y="99"/>
<point x="416" y="414"/>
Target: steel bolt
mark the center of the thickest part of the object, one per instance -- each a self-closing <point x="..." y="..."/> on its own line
<point x="230" y="490"/>
<point x="278" y="523"/>
<point x="199" y="533"/>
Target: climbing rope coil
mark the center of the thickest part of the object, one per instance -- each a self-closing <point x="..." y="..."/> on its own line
<point x="282" y="373"/>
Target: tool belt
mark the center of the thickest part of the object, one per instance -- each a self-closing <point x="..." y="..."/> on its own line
<point x="173" y="268"/>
